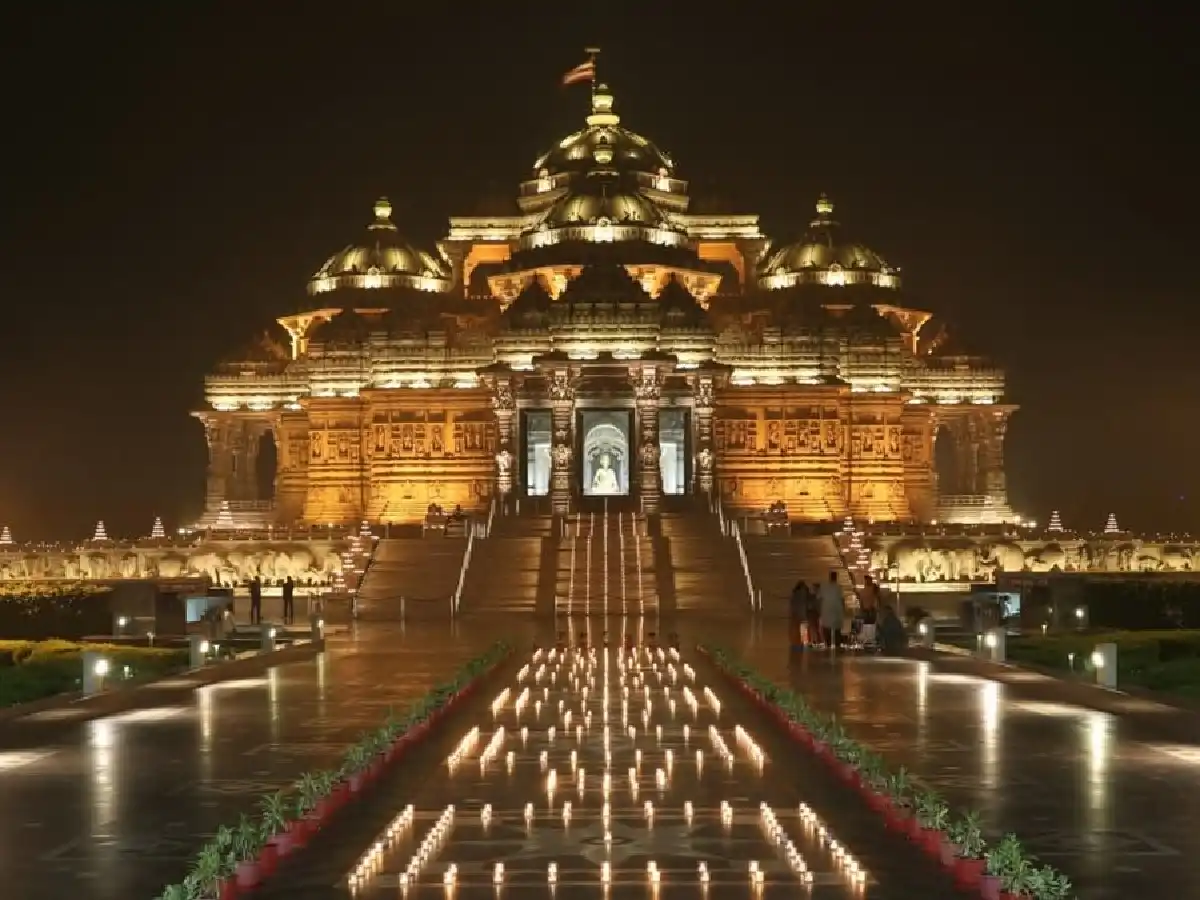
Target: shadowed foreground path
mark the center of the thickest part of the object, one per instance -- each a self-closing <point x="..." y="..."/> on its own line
<point x="115" y="807"/>
<point x="601" y="764"/>
<point x="1101" y="796"/>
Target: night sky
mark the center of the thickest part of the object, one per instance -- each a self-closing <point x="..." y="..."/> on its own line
<point x="181" y="169"/>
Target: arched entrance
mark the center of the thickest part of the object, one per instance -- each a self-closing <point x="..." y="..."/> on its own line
<point x="947" y="461"/>
<point x="266" y="464"/>
<point x="605" y="453"/>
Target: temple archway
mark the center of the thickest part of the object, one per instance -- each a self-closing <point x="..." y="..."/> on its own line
<point x="947" y="460"/>
<point x="605" y="453"/>
<point x="266" y="465"/>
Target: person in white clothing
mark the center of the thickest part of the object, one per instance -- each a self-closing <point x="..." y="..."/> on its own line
<point x="833" y="611"/>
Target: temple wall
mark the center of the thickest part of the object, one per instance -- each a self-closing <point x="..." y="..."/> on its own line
<point x="306" y="561"/>
<point x="820" y="449"/>
<point x="430" y="446"/>
<point x="980" y="558"/>
<point x="337" y="463"/>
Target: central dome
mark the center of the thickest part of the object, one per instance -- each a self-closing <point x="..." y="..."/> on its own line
<point x="603" y="146"/>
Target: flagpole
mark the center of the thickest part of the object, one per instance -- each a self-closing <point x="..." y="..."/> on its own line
<point x="592" y="53"/>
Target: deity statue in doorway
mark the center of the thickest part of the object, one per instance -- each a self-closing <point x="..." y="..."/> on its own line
<point x="605" y="479"/>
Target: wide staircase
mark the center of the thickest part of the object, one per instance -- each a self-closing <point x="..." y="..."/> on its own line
<point x="708" y="575"/>
<point x="411" y="578"/>
<point x="778" y="562"/>
<point x="507" y="567"/>
<point x="606" y="566"/>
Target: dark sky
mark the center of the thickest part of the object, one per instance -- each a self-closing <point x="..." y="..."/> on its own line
<point x="181" y="169"/>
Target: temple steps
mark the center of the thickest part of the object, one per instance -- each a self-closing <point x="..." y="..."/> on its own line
<point x="778" y="562"/>
<point x="411" y="578"/>
<point x="707" y="571"/>
<point x="606" y="566"/>
<point x="504" y="574"/>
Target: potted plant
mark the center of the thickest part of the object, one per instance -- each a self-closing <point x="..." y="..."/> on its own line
<point x="273" y="812"/>
<point x="1002" y="863"/>
<point x="355" y="766"/>
<point x="899" y="794"/>
<point x="1050" y="884"/>
<point x="244" y="847"/>
<point x="932" y="814"/>
<point x="963" y="850"/>
<point x="873" y="780"/>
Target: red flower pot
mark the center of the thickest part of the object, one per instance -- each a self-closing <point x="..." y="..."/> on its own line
<point x="297" y="833"/>
<point x="989" y="887"/>
<point x="247" y="875"/>
<point x="227" y="889"/>
<point x="282" y="843"/>
<point x="895" y="819"/>
<point x="876" y="801"/>
<point x="932" y="839"/>
<point x="968" y="872"/>
<point x="915" y="831"/>
<point x="268" y="858"/>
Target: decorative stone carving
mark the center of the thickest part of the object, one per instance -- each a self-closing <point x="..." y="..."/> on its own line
<point x="705" y="395"/>
<point x="504" y="461"/>
<point x="561" y="455"/>
<point x="647" y="386"/>
<point x="649" y="453"/>
<point x="561" y="389"/>
<point x="705" y="459"/>
<point x="503" y="398"/>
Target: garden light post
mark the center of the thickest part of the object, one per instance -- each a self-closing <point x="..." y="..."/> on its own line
<point x="96" y="668"/>
<point x="993" y="645"/>
<point x="267" y="635"/>
<point x="198" y="647"/>
<point x="1104" y="662"/>
<point x="120" y="623"/>
<point x="926" y="632"/>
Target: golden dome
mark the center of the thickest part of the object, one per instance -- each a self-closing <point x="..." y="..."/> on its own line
<point x="603" y="146"/>
<point x="383" y="259"/>
<point x="824" y="256"/>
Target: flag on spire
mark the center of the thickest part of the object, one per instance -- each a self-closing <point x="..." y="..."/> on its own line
<point x="584" y="71"/>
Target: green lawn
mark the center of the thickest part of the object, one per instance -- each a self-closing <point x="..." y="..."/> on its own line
<point x="1157" y="660"/>
<point x="33" y="670"/>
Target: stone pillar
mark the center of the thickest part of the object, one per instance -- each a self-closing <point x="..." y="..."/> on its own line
<point x="920" y="476"/>
<point x="647" y="390"/>
<point x="703" y="406"/>
<point x="216" y="436"/>
<point x="562" y="451"/>
<point x="504" y="405"/>
<point x="993" y="431"/>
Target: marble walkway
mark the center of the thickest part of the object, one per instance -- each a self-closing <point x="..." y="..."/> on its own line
<point x="115" y="807"/>
<point x="1109" y="798"/>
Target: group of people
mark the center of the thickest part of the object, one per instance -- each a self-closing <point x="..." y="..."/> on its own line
<point x="818" y="613"/>
<point x="289" y="600"/>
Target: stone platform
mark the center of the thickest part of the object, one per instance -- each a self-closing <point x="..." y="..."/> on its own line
<point x="1105" y="796"/>
<point x="115" y="807"/>
<point x="608" y="766"/>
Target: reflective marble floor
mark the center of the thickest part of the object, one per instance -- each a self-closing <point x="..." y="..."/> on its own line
<point x="612" y="772"/>
<point x="116" y="806"/>
<point x="1105" y="797"/>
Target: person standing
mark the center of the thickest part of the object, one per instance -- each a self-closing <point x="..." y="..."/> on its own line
<point x="798" y="614"/>
<point x="256" y="601"/>
<point x="289" y="605"/>
<point x="833" y="611"/>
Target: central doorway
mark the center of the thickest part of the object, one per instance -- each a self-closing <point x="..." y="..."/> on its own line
<point x="604" y="457"/>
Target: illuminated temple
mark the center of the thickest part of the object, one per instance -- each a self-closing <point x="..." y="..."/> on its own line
<point x="604" y="340"/>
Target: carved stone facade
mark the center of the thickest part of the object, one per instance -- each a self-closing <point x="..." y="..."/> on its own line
<point x="224" y="562"/>
<point x="970" y="558"/>
<point x="603" y="341"/>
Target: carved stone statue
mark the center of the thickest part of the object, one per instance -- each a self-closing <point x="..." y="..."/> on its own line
<point x="705" y="459"/>
<point x="705" y="398"/>
<point x="604" y="481"/>
<point x="560" y="454"/>
<point x="503" y="399"/>
<point x="504" y="461"/>
<point x="650" y="452"/>
<point x="561" y="389"/>
<point x="647" y="386"/>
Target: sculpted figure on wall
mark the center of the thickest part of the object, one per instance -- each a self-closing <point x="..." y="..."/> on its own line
<point x="307" y="563"/>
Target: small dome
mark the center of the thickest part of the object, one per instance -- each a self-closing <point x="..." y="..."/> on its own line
<point x="824" y="256"/>
<point x="382" y="259"/>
